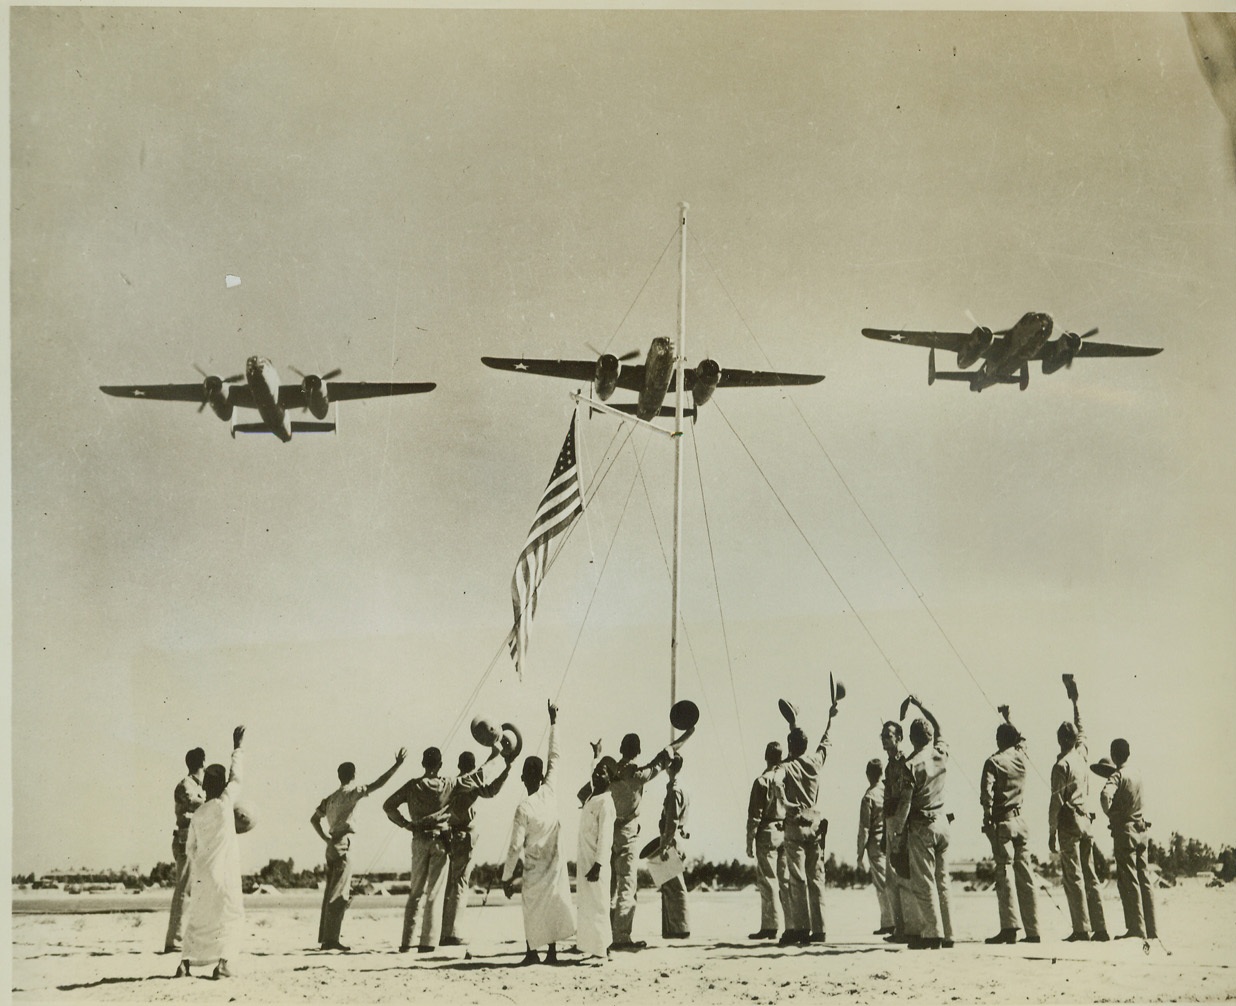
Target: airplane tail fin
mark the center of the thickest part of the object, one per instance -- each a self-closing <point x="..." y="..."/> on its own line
<point x="305" y="427"/>
<point x="934" y="375"/>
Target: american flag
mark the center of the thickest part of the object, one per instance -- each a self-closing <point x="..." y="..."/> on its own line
<point x="560" y="506"/>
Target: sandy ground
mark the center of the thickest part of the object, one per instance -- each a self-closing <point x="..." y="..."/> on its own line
<point x="114" y="955"/>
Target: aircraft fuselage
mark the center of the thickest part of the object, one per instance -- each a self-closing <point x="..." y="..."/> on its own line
<point x="1008" y="356"/>
<point x="658" y="372"/>
<point x="263" y="383"/>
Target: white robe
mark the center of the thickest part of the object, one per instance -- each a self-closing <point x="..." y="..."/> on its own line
<point x="596" y="841"/>
<point x="216" y="913"/>
<point x="548" y="914"/>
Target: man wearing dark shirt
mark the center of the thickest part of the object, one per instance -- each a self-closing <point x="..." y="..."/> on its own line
<point x="461" y="844"/>
<point x="426" y="799"/>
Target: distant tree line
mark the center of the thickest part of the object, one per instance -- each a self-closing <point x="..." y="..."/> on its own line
<point x="1182" y="857"/>
<point x="1179" y="857"/>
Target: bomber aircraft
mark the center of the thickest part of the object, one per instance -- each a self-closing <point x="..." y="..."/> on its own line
<point x="1007" y="354"/>
<point x="261" y="390"/>
<point x="650" y="379"/>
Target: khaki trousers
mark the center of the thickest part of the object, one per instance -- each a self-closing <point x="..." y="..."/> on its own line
<point x="425" y="887"/>
<point x="338" y="890"/>
<point x="1133" y="882"/>
<point x="929" y="877"/>
<point x="771" y="877"/>
<point x="1010" y="845"/>
<point x="625" y="880"/>
<point x="1081" y="885"/>
<point x="458" y="871"/>
<point x="175" y="920"/>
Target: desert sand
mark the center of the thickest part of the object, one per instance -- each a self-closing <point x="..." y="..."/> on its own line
<point x="66" y="952"/>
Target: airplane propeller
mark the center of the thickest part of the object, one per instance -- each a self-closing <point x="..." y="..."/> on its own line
<point x="213" y="385"/>
<point x="312" y="382"/>
<point x="1075" y="340"/>
<point x="631" y="355"/>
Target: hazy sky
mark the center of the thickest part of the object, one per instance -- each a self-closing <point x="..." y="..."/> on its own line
<point x="402" y="192"/>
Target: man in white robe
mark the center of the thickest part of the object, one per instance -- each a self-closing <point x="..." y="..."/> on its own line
<point x="216" y="912"/>
<point x="536" y="837"/>
<point x="594" y="933"/>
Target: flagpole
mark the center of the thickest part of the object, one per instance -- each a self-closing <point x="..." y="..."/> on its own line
<point x="682" y="341"/>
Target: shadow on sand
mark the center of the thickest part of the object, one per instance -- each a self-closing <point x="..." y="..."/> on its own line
<point x="119" y="981"/>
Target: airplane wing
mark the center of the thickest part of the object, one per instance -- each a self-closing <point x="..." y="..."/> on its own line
<point x="1110" y="349"/>
<point x="575" y="370"/>
<point x="951" y="341"/>
<point x="237" y="394"/>
<point x="754" y="379"/>
<point x="292" y="396"/>
<point x="158" y="392"/>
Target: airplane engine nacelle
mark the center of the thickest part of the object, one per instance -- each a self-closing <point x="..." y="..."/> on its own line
<point x="974" y="347"/>
<point x="216" y="397"/>
<point x="606" y="378"/>
<point x="1061" y="352"/>
<point x="314" y="390"/>
<point x="707" y="374"/>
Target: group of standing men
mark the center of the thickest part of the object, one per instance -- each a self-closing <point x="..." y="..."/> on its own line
<point x="904" y="835"/>
<point x="439" y="812"/>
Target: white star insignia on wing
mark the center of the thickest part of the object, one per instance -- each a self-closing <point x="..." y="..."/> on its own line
<point x="521" y="365"/>
<point x="897" y="337"/>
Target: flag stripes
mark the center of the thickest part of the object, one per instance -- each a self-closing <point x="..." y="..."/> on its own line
<point x="561" y="504"/>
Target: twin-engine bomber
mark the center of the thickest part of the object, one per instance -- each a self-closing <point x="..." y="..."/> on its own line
<point x="261" y="390"/>
<point x="1006" y="355"/>
<point x="650" y="379"/>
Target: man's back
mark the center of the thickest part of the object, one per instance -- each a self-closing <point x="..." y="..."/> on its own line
<point x="1122" y="799"/>
<point x="927" y="771"/>
<point x="338" y="807"/>
<point x="1004" y="780"/>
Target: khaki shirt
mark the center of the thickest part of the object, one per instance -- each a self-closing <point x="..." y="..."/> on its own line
<point x="927" y="771"/>
<point x="1070" y="787"/>
<point x="674" y="813"/>
<point x="627" y="785"/>
<point x="1004" y="783"/>
<point x="187" y="797"/>
<point x="801" y="783"/>
<point x="1122" y="800"/>
<point x="426" y="797"/>
<point x="338" y="807"/>
<point x="462" y="803"/>
<point x="766" y="808"/>
<point x="871" y="818"/>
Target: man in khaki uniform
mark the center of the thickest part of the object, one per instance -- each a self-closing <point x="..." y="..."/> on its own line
<point x="927" y="831"/>
<point x="805" y="919"/>
<point x="336" y="810"/>
<point x="627" y="790"/>
<point x="1001" y="793"/>
<point x="675" y="916"/>
<point x="187" y="797"/>
<point x="461" y="844"/>
<point x="1069" y="823"/>
<point x="766" y="843"/>
<point x="871" y="843"/>
<point x="1122" y="803"/>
